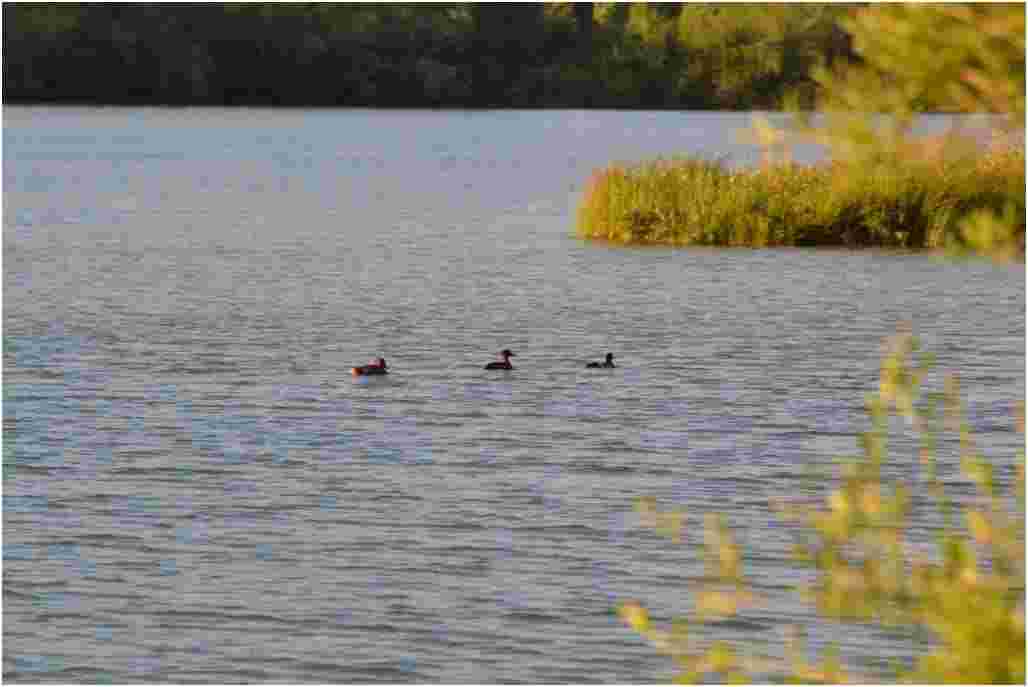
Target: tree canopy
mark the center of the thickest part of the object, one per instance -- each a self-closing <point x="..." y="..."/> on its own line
<point x="640" y="55"/>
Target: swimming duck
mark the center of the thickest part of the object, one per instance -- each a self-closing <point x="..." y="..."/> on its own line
<point x="375" y="367"/>
<point x="505" y="364"/>
<point x="609" y="362"/>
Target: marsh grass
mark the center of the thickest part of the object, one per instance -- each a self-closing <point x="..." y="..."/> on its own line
<point x="886" y="203"/>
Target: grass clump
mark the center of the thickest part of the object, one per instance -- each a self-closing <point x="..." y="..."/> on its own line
<point x="886" y="203"/>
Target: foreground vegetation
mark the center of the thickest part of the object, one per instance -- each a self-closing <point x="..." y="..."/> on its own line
<point x="966" y="593"/>
<point x="870" y="565"/>
<point x="911" y="204"/>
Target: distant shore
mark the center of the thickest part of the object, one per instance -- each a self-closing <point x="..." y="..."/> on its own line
<point x="642" y="56"/>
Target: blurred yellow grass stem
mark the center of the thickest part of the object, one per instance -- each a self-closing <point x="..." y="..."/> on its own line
<point x="883" y="187"/>
<point x="971" y="596"/>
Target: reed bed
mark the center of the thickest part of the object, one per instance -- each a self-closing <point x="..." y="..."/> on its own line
<point x="910" y="204"/>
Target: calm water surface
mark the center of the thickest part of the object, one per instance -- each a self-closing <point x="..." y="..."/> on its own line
<point x="196" y="490"/>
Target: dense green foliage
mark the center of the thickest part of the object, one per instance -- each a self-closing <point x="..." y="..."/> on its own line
<point x="695" y="202"/>
<point x="953" y="58"/>
<point x="638" y="55"/>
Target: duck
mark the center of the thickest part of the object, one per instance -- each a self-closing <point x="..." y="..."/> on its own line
<point x="609" y="362"/>
<point x="504" y="364"/>
<point x="375" y="367"/>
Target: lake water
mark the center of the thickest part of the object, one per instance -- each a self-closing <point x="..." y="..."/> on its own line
<point x="197" y="490"/>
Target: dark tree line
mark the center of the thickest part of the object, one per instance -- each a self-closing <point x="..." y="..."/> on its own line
<point x="415" y="55"/>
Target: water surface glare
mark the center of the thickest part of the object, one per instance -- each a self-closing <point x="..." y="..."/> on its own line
<point x="197" y="490"/>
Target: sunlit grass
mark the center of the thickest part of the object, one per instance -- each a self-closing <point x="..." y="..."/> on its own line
<point x="688" y="201"/>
